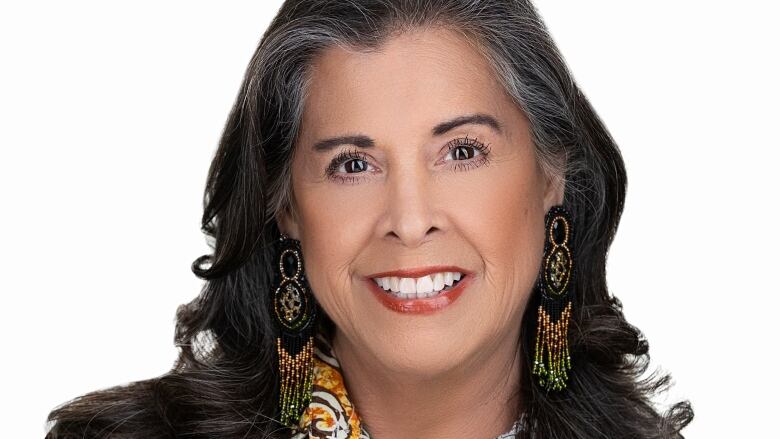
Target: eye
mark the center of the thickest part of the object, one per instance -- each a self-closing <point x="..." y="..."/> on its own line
<point x="469" y="153"/>
<point x="462" y="152"/>
<point x="354" y="165"/>
<point x="346" y="164"/>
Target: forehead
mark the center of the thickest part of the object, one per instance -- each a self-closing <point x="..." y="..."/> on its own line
<point x="414" y="80"/>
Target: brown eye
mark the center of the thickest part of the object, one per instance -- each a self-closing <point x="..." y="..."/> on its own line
<point x="349" y="167"/>
<point x="463" y="152"/>
<point x="466" y="149"/>
<point x="467" y="154"/>
<point x="355" y="165"/>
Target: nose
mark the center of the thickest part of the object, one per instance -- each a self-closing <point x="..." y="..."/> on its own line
<point x="412" y="212"/>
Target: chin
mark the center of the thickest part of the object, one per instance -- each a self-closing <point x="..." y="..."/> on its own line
<point x="423" y="350"/>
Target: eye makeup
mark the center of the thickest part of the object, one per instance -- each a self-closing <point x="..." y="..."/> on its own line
<point x="468" y="161"/>
<point x="342" y="158"/>
<point x="468" y="153"/>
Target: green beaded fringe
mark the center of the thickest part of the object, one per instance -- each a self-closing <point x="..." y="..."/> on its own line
<point x="552" y="360"/>
<point x="295" y="381"/>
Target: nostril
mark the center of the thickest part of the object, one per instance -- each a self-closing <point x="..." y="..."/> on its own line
<point x="411" y="236"/>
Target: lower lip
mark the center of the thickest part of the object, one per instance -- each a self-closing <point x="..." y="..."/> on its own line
<point x="419" y="305"/>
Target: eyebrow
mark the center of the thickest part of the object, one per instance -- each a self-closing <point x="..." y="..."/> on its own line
<point x="363" y="141"/>
<point x="477" y="119"/>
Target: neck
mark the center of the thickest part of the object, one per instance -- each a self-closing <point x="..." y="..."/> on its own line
<point x="476" y="400"/>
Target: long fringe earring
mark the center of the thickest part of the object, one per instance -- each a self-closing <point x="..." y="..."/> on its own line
<point x="295" y="312"/>
<point x="551" y="359"/>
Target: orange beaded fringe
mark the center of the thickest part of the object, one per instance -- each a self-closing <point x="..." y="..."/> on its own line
<point x="552" y="360"/>
<point x="295" y="381"/>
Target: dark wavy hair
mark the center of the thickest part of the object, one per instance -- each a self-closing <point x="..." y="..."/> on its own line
<point x="224" y="382"/>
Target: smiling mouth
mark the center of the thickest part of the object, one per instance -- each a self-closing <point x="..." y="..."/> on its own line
<point x="419" y="290"/>
<point x="430" y="285"/>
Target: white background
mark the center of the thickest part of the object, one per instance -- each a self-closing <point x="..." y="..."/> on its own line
<point x="110" y="115"/>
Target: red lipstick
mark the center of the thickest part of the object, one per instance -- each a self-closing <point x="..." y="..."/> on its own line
<point x="419" y="305"/>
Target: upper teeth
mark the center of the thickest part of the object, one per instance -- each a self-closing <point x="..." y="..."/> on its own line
<point x="425" y="286"/>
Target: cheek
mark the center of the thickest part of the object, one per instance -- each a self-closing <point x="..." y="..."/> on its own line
<point x="505" y="223"/>
<point x="336" y="222"/>
<point x="335" y="229"/>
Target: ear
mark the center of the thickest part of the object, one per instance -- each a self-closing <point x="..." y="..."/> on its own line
<point x="288" y="223"/>
<point x="554" y="187"/>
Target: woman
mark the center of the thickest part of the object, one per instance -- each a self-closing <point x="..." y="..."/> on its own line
<point x="411" y="204"/>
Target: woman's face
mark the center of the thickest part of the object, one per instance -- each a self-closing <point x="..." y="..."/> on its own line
<point x="407" y="190"/>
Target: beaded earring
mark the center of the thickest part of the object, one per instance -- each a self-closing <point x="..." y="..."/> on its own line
<point x="556" y="277"/>
<point x="295" y="312"/>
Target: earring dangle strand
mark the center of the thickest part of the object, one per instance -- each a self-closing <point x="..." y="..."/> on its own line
<point x="295" y="313"/>
<point x="551" y="358"/>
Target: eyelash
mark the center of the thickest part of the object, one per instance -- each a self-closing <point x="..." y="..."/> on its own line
<point x="341" y="159"/>
<point x="482" y="159"/>
<point x="475" y="162"/>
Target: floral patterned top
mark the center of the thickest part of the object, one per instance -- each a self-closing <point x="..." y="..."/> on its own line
<point x="330" y="414"/>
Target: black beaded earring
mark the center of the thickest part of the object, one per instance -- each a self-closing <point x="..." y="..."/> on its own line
<point x="295" y="312"/>
<point x="556" y="277"/>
